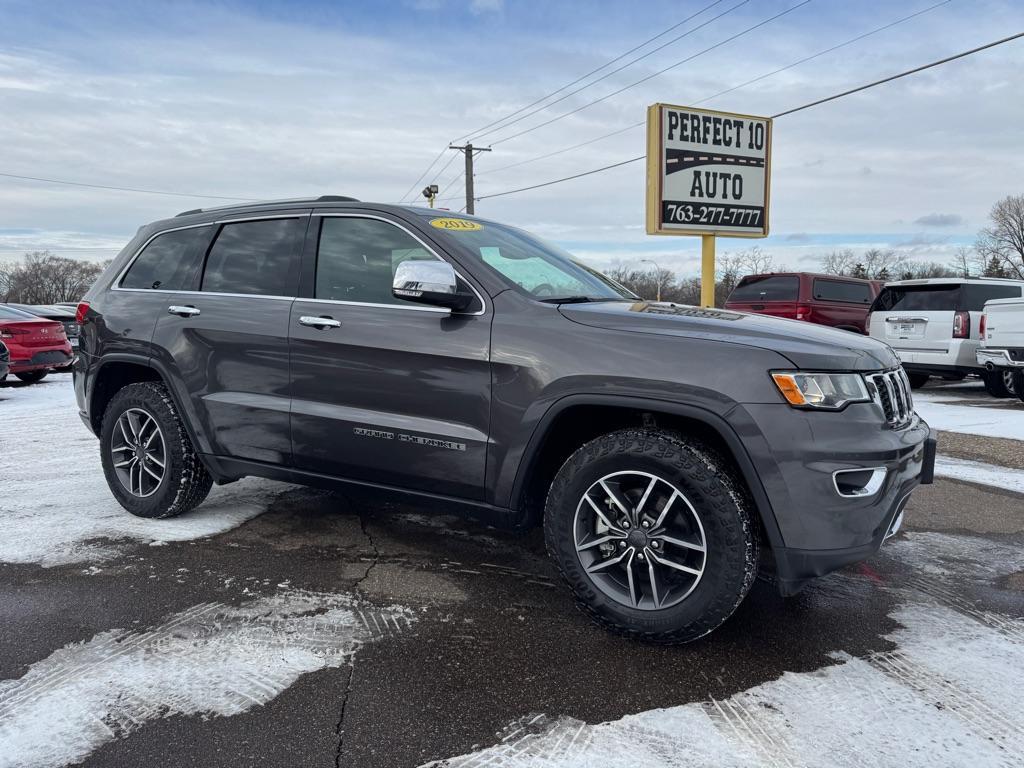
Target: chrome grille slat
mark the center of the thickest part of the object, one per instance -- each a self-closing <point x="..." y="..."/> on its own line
<point x="891" y="392"/>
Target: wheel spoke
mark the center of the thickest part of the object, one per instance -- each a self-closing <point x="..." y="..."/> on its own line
<point x="629" y="576"/>
<point x="655" y="595"/>
<point x="616" y="498"/>
<point x="127" y="462"/>
<point x="155" y="460"/>
<point x="124" y="432"/>
<point x="600" y="566"/>
<point x="132" y="425"/>
<point x="602" y="517"/>
<point x="672" y="564"/>
<point x="664" y="509"/>
<point x="597" y="542"/>
<point x="123" y="448"/>
<point x="151" y="473"/>
<point x="647" y="494"/>
<point x="680" y="543"/>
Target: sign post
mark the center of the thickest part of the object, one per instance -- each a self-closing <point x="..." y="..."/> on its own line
<point x="708" y="174"/>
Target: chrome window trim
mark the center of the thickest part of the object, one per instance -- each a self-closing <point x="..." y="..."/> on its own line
<point x="116" y="285"/>
<point x="426" y="246"/>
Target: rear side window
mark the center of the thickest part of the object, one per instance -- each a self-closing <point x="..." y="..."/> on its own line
<point x="254" y="257"/>
<point x="357" y="258"/>
<point x="975" y="296"/>
<point x="839" y="290"/>
<point x="919" y="298"/>
<point x="767" y="288"/>
<point x="170" y="262"/>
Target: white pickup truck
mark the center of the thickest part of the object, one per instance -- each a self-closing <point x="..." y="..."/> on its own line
<point x="1002" y="341"/>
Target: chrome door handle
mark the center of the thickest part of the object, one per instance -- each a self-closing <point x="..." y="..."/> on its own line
<point x="174" y="309"/>
<point x="320" y="322"/>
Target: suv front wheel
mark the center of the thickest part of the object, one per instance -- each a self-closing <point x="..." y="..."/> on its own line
<point x="653" y="534"/>
<point x="148" y="460"/>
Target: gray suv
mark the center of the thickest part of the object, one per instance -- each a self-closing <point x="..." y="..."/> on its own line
<point x="670" y="452"/>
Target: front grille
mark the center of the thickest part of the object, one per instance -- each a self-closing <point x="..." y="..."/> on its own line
<point x="891" y="391"/>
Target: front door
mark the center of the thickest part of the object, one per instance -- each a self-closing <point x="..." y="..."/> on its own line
<point x="383" y="390"/>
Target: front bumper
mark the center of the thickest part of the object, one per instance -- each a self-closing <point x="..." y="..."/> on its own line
<point x="1001" y="358"/>
<point x="797" y="455"/>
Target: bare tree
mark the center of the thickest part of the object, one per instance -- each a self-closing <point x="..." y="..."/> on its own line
<point x="839" y="262"/>
<point x="1004" y="238"/>
<point x="43" y="278"/>
<point x="963" y="260"/>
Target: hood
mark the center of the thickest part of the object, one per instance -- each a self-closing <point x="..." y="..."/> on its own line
<point x="806" y="345"/>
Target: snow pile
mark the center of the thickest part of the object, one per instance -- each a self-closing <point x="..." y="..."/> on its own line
<point x="208" y="660"/>
<point x="979" y="472"/>
<point x="54" y="500"/>
<point x="946" y="414"/>
<point x="947" y="695"/>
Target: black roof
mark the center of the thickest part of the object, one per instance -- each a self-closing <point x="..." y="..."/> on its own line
<point x="258" y="203"/>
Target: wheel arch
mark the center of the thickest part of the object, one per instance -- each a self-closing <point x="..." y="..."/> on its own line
<point x="573" y="420"/>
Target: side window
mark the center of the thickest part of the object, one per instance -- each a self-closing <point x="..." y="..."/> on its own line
<point x="975" y="296"/>
<point x="254" y="257"/>
<point x="356" y="259"/>
<point x="767" y="288"/>
<point x="170" y="262"/>
<point x="840" y="290"/>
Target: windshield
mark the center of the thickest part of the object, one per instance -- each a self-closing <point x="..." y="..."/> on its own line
<point x="532" y="266"/>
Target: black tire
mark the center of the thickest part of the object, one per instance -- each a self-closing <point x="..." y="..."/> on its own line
<point x="719" y="501"/>
<point x="185" y="482"/>
<point x="31" y="377"/>
<point x="1018" y="383"/>
<point x="918" y="380"/>
<point x="996" y="382"/>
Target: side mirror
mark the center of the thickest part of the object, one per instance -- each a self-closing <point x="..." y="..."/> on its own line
<point x="430" y="282"/>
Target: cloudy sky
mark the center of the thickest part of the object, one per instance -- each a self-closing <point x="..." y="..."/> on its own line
<point x="278" y="99"/>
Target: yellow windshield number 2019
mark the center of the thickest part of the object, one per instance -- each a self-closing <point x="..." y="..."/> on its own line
<point x="456" y="225"/>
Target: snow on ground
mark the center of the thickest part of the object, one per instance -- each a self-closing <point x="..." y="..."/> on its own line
<point x="54" y="500"/>
<point x="947" y="411"/>
<point x="947" y="695"/>
<point x="208" y="660"/>
<point x="979" y="472"/>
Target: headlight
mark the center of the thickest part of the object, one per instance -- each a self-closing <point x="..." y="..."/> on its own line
<point x="828" y="391"/>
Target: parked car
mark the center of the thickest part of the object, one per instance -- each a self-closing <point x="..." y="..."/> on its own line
<point x="5" y="360"/>
<point x="934" y="325"/>
<point x="59" y="312"/>
<point x="1002" y="342"/>
<point x="839" y="302"/>
<point x="36" y="346"/>
<point x="667" y="450"/>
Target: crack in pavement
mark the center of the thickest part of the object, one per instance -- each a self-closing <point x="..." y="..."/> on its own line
<point x="339" y="729"/>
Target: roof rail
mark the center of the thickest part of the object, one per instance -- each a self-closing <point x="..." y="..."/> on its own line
<point x="321" y="199"/>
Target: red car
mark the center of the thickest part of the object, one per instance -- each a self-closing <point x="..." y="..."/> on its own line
<point x="36" y="346"/>
<point x="839" y="302"/>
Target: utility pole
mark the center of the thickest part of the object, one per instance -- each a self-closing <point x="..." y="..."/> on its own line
<point x="657" y="276"/>
<point x="469" y="151"/>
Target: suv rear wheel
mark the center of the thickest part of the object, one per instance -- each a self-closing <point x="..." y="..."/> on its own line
<point x="1018" y="382"/>
<point x="999" y="383"/>
<point x="148" y="460"/>
<point x="653" y="533"/>
<point x="918" y="380"/>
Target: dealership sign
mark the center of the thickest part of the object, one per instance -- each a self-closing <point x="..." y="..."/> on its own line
<point x="707" y="172"/>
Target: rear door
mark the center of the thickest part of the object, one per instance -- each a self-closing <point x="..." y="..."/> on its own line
<point x="227" y="342"/>
<point x="384" y="390"/>
<point x="916" y="320"/>
<point x="775" y="295"/>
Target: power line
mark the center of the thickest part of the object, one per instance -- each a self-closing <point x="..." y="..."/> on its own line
<point x="652" y="76"/>
<point x="628" y="64"/>
<point x="901" y="74"/>
<point x="123" y="189"/>
<point x="764" y="76"/>
<point x="422" y="175"/>
<point x="591" y="72"/>
<point x="815" y="103"/>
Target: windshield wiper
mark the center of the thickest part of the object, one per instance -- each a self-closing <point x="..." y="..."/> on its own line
<point x="580" y="299"/>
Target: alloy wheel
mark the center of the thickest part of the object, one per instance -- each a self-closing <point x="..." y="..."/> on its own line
<point x="139" y="452"/>
<point x="640" y="540"/>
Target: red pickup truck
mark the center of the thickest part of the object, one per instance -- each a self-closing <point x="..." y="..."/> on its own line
<point x="839" y="302"/>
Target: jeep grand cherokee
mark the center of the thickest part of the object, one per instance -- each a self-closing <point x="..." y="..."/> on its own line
<point x="669" y="451"/>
